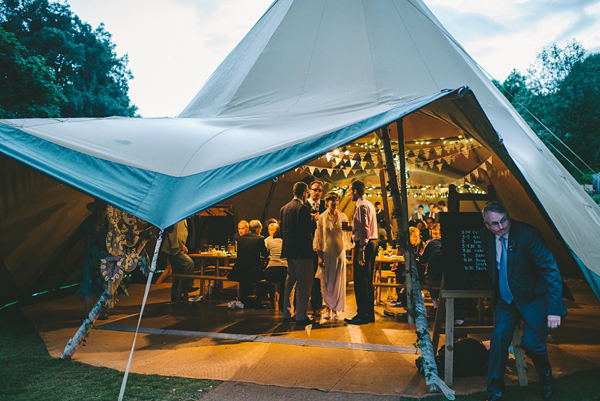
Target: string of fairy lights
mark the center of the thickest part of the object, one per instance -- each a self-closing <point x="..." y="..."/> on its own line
<point x="364" y="158"/>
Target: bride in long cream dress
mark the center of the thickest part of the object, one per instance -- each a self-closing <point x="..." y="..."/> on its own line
<point x="330" y="243"/>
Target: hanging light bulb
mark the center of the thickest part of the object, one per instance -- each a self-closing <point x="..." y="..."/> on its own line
<point x="336" y="152"/>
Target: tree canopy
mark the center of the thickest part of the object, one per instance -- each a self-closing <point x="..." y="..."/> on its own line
<point x="559" y="97"/>
<point x="93" y="80"/>
<point x="28" y="88"/>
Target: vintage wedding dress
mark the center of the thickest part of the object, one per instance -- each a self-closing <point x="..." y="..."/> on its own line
<point x="333" y="242"/>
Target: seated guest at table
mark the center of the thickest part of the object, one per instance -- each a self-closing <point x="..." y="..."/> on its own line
<point x="265" y="230"/>
<point x="174" y="250"/>
<point x="425" y="234"/>
<point x="276" y="270"/>
<point x="331" y="243"/>
<point x="399" y="268"/>
<point x="432" y="258"/>
<point x="248" y="266"/>
<point x="243" y="229"/>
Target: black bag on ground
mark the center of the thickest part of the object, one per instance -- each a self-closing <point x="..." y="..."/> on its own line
<point x="470" y="358"/>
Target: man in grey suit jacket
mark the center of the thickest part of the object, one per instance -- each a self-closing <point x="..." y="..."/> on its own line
<point x="528" y="286"/>
<point x="297" y="231"/>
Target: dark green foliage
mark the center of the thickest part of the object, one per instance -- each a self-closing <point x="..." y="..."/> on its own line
<point x="28" y="88"/>
<point x="552" y="66"/>
<point x="92" y="78"/>
<point x="561" y="93"/>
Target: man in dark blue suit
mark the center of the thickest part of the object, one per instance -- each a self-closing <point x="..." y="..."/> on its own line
<point x="297" y="231"/>
<point x="528" y="286"/>
<point x="317" y="206"/>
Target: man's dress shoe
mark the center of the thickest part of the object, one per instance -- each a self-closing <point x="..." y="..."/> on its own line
<point x="356" y="320"/>
<point x="349" y="319"/>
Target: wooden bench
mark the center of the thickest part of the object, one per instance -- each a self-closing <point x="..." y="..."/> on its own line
<point x="204" y="278"/>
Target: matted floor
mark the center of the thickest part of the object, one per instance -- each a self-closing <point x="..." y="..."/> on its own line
<point x="208" y="341"/>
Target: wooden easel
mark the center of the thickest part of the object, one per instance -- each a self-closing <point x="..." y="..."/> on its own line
<point x="446" y="300"/>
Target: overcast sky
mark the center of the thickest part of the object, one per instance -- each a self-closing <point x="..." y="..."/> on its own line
<point x="174" y="45"/>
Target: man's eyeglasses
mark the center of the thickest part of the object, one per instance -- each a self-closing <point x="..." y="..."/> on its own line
<point x="496" y="224"/>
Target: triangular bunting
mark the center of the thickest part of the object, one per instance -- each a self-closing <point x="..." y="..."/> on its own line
<point x="438" y="150"/>
<point x="329" y="171"/>
<point x="352" y="163"/>
<point x="363" y="164"/>
<point x="431" y="163"/>
<point x="346" y="172"/>
<point x="465" y="152"/>
<point x="476" y="173"/>
<point x="311" y="169"/>
<point x="328" y="157"/>
<point x="439" y="166"/>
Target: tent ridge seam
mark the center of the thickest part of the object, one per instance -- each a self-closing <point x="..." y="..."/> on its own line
<point x="229" y="102"/>
<point x="415" y="45"/>
<point x="310" y="62"/>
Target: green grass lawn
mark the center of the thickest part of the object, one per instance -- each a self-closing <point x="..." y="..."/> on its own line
<point x="27" y="372"/>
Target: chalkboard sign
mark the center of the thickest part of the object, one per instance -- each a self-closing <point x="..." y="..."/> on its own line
<point x="464" y="260"/>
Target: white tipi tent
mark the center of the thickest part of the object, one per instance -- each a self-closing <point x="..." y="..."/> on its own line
<point x="310" y="75"/>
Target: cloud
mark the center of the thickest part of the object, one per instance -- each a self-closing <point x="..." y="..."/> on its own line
<point x="502" y="35"/>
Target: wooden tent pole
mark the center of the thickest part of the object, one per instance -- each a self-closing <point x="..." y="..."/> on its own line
<point x="400" y="208"/>
<point x="384" y="200"/>
<point x="268" y="202"/>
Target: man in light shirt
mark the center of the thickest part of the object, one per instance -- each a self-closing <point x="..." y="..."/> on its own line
<point x="174" y="250"/>
<point x="364" y="234"/>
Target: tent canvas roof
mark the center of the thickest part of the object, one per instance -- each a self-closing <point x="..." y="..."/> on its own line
<point x="310" y="76"/>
